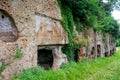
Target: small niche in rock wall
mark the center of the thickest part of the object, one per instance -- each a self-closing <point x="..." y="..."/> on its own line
<point x="45" y="58"/>
<point x="8" y="30"/>
<point x="106" y="51"/>
<point x="106" y="54"/>
<point x="76" y="55"/>
<point x="92" y="51"/>
<point x="112" y="52"/>
<point x="98" y="50"/>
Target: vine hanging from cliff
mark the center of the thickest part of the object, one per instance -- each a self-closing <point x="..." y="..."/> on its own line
<point x="68" y="24"/>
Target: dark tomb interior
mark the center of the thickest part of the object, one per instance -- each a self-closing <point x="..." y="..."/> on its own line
<point x="76" y="55"/>
<point x="45" y="58"/>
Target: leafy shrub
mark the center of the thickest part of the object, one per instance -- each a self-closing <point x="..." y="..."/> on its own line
<point x="30" y="74"/>
<point x="118" y="42"/>
<point x="3" y="67"/>
<point x="18" y="53"/>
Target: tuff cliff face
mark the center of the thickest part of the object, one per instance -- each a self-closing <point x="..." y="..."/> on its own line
<point x="96" y="45"/>
<point x="31" y="26"/>
<point x="32" y="29"/>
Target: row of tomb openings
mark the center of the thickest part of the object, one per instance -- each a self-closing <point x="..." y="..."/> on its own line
<point x="9" y="33"/>
<point x="45" y="56"/>
<point x="99" y="53"/>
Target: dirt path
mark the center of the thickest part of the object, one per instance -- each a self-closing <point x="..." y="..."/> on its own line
<point x="107" y="69"/>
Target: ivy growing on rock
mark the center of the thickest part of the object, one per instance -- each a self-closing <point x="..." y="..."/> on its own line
<point x="68" y="24"/>
<point x="86" y="14"/>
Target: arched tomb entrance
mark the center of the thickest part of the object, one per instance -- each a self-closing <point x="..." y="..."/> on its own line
<point x="8" y="29"/>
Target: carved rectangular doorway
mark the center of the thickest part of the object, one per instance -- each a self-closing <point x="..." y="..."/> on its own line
<point x="45" y="58"/>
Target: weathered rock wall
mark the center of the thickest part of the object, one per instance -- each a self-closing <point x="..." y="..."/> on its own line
<point x="30" y="23"/>
<point x="96" y="45"/>
<point x="35" y="25"/>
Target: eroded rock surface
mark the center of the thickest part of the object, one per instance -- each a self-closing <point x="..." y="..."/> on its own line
<point x="27" y="24"/>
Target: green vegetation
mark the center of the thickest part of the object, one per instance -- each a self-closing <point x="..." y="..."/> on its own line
<point x="85" y="14"/>
<point x="105" y="38"/>
<point x="3" y="67"/>
<point x="87" y="69"/>
<point x="94" y="14"/>
<point x="118" y="42"/>
<point x="118" y="39"/>
<point x="68" y="24"/>
<point x="18" y="53"/>
<point x="109" y="72"/>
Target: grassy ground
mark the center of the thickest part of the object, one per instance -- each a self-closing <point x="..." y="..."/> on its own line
<point x="99" y="69"/>
<point x="110" y="72"/>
